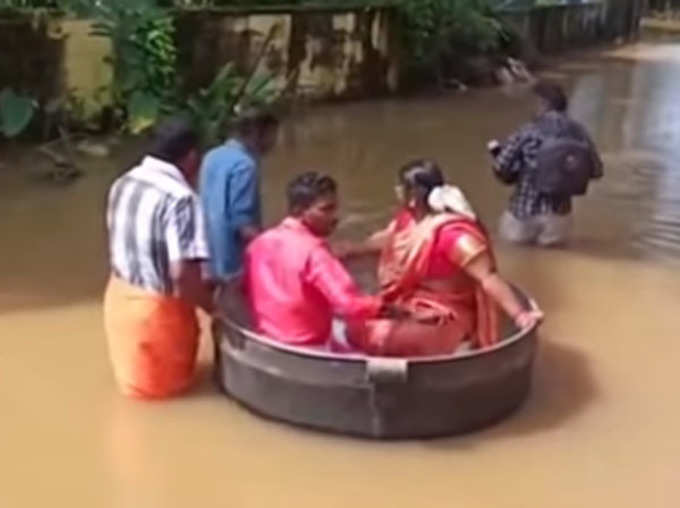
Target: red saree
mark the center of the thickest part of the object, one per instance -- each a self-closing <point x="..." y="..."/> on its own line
<point x="422" y="270"/>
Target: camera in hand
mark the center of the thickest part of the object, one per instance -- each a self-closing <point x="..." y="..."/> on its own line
<point x="494" y="147"/>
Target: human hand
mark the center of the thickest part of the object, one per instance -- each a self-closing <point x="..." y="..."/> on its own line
<point x="343" y="249"/>
<point x="529" y="318"/>
<point x="494" y="148"/>
<point x="390" y="311"/>
<point x="428" y="317"/>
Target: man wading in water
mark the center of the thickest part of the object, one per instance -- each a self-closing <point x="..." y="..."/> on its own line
<point x="230" y="191"/>
<point x="157" y="250"/>
<point x="549" y="161"/>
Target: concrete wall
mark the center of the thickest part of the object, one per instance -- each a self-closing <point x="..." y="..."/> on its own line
<point x="51" y="57"/>
<point x="663" y="5"/>
<point x="550" y="29"/>
<point x="84" y="68"/>
<point x="30" y="56"/>
<point x="319" y="53"/>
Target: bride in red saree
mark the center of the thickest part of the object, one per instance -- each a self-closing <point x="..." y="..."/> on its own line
<point x="437" y="263"/>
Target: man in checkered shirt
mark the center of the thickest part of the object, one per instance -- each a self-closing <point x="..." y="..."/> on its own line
<point x="534" y="217"/>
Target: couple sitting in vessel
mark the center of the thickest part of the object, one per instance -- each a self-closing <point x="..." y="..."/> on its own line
<point x="438" y="281"/>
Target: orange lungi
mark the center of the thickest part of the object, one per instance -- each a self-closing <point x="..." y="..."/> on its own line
<point x="153" y="340"/>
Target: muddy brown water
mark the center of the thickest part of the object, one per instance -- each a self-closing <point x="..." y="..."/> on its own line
<point x="600" y="428"/>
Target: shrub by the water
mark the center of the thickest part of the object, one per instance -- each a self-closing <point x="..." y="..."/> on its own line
<point x="145" y="85"/>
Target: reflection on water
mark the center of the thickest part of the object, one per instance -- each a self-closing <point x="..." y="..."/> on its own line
<point x="598" y="430"/>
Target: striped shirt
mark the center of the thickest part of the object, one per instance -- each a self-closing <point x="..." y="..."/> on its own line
<point x="154" y="220"/>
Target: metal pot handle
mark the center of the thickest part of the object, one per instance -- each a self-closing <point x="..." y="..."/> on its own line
<point x="387" y="370"/>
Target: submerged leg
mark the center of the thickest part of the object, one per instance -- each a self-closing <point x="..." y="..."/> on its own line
<point x="385" y="337"/>
<point x="555" y="230"/>
<point x="515" y="230"/>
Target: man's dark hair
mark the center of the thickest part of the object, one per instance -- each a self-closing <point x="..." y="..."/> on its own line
<point x="306" y="188"/>
<point x="255" y="120"/>
<point x="173" y="140"/>
<point x="553" y="94"/>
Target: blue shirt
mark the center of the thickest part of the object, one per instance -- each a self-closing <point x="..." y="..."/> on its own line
<point x="230" y="193"/>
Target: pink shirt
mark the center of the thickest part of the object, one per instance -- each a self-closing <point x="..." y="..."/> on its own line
<point x="295" y="286"/>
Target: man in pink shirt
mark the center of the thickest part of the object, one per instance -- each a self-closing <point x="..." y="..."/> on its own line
<point x="294" y="284"/>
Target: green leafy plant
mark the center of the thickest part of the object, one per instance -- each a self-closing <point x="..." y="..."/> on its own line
<point x="145" y="84"/>
<point x="16" y="112"/>
<point x="143" y="111"/>
<point x="434" y="29"/>
<point x="144" y="63"/>
<point x="27" y="4"/>
<point x="144" y="58"/>
<point x="212" y="108"/>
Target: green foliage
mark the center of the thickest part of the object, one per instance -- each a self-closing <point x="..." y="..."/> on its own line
<point x="143" y="111"/>
<point x="212" y="108"/>
<point x="209" y="108"/>
<point x="142" y="34"/>
<point x="144" y="56"/>
<point x="436" y="27"/>
<point x="28" y="4"/>
<point x="145" y="85"/>
<point x="16" y="112"/>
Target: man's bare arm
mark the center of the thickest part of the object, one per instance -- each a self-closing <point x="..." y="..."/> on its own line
<point x="191" y="285"/>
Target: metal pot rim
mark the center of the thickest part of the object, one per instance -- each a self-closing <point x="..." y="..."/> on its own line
<point x="360" y="358"/>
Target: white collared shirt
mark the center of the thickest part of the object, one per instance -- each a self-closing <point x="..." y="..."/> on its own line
<point x="154" y="219"/>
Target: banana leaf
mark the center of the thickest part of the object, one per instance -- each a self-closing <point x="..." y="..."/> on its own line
<point x="16" y="112"/>
<point x="143" y="111"/>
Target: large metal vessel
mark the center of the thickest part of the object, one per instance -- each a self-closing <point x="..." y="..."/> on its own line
<point x="386" y="398"/>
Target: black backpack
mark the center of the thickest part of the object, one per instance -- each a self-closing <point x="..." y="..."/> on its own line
<point x="564" y="167"/>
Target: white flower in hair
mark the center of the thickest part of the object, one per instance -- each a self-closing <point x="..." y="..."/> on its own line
<point x="448" y="198"/>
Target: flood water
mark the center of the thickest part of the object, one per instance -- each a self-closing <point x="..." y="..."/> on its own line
<point x="600" y="428"/>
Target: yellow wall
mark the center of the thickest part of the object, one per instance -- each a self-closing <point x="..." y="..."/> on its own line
<point x="85" y="71"/>
<point x="330" y="49"/>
